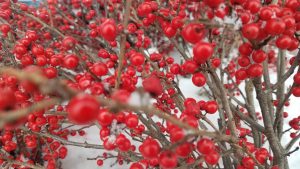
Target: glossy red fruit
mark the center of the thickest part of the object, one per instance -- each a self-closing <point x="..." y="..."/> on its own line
<point x="108" y="30"/>
<point x="259" y="56"/>
<point x="253" y="6"/>
<point x="105" y="117"/>
<point x="212" y="158"/>
<point x="245" y="49"/>
<point x="153" y="85"/>
<point x="244" y="61"/>
<point x="109" y="144"/>
<point x="265" y="13"/>
<point x="250" y="31"/>
<point x="213" y="3"/>
<point x="205" y="146"/>
<point x="283" y="42"/>
<point x="71" y="61"/>
<point x="123" y="143"/>
<point x="150" y="148"/>
<point x="99" y="69"/>
<point x="193" y="32"/>
<point x="296" y="91"/>
<point x="169" y="31"/>
<point x="202" y="52"/>
<point x="248" y="162"/>
<point x="175" y="68"/>
<point x="136" y="166"/>
<point x="189" y="66"/>
<point x="198" y="79"/>
<point x="167" y="160"/>
<point x="68" y="42"/>
<point x="275" y="26"/>
<point x="131" y="120"/>
<point x="4" y="28"/>
<point x="99" y="162"/>
<point x="241" y="74"/>
<point x="255" y="70"/>
<point x="83" y="109"/>
<point x="9" y="100"/>
<point x="216" y="62"/>
<point x="297" y="78"/>
<point x="184" y="150"/>
<point x="137" y="59"/>
<point x="211" y="107"/>
<point x="144" y="9"/>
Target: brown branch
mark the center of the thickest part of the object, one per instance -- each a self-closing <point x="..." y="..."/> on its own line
<point x="63" y="141"/>
<point x="123" y="44"/>
<point x="9" y="116"/>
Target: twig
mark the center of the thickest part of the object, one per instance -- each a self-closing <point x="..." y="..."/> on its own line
<point x="123" y="44"/>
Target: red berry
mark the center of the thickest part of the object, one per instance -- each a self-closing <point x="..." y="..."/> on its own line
<point x="212" y="158"/>
<point x="193" y="32"/>
<point x="99" y="69"/>
<point x="259" y="56"/>
<point x="202" y="52"/>
<point x="150" y="148"/>
<point x="283" y="42"/>
<point x="83" y="109"/>
<point x="248" y="162"/>
<point x="275" y="26"/>
<point x="297" y="78"/>
<point x="205" y="146"/>
<point x="245" y="49"/>
<point x="168" y="160"/>
<point x="99" y="162"/>
<point x="108" y="30"/>
<point x="296" y="91"/>
<point x="198" y="79"/>
<point x="153" y="85"/>
<point x="241" y="74"/>
<point x="255" y="70"/>
<point x="105" y="117"/>
<point x="250" y="31"/>
<point x="71" y="61"/>
<point x="137" y="59"/>
<point x="211" y="107"/>
<point x="136" y="166"/>
<point x="131" y="120"/>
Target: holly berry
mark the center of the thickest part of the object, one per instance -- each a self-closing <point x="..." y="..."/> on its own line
<point x="297" y="78"/>
<point x="131" y="120"/>
<point x="153" y="85"/>
<point x="202" y="52"/>
<point x="137" y="59"/>
<point x="259" y="56"/>
<point x="211" y="107"/>
<point x="248" y="162"/>
<point x="212" y="158"/>
<point x="83" y="109"/>
<point x="108" y="30"/>
<point x="205" y="146"/>
<point x="99" y="69"/>
<point x="193" y="32"/>
<point x="255" y="70"/>
<point x="150" y="148"/>
<point x="275" y="26"/>
<point x="250" y="31"/>
<point x="168" y="160"/>
<point x="198" y="79"/>
<point x="105" y="117"/>
<point x="8" y="101"/>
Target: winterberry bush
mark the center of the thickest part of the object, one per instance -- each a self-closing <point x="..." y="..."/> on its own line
<point x="117" y="65"/>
